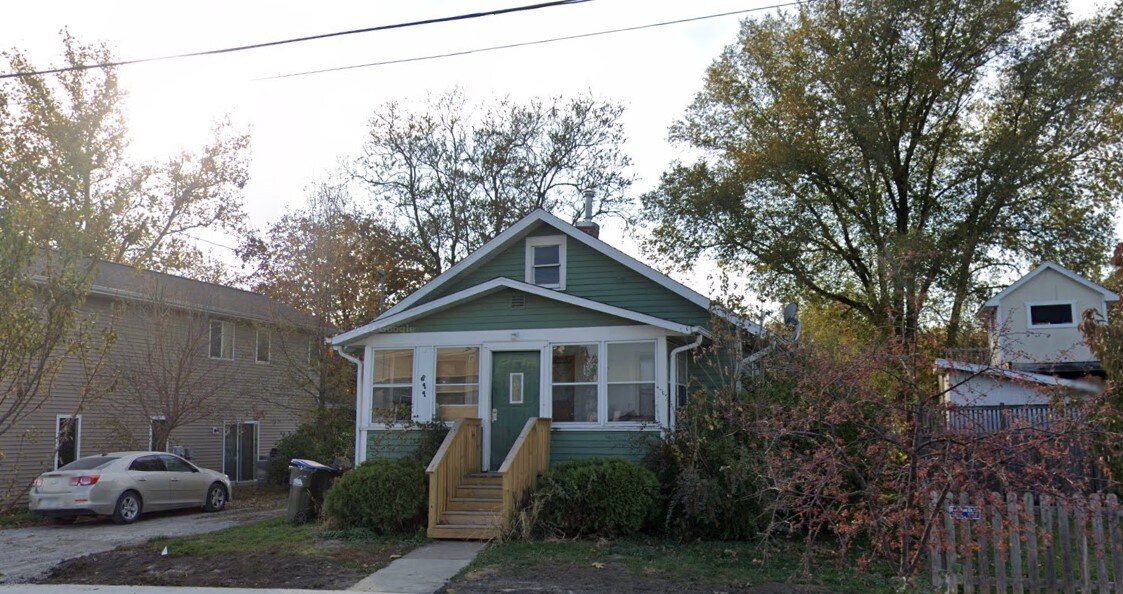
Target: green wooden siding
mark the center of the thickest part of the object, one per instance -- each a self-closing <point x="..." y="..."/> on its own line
<point x="589" y="274"/>
<point x="592" y="275"/>
<point x="509" y="263"/>
<point x="578" y="445"/>
<point x="494" y="312"/>
<point x="392" y="444"/>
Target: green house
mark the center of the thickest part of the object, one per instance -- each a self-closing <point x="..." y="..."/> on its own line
<point x="545" y="345"/>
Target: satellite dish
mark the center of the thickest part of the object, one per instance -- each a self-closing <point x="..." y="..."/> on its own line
<point x="791" y="314"/>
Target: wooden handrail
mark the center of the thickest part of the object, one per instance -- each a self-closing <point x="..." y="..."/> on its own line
<point x="528" y="458"/>
<point x="458" y="456"/>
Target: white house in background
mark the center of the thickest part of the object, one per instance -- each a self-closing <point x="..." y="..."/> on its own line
<point x="1034" y="323"/>
<point x="1037" y="350"/>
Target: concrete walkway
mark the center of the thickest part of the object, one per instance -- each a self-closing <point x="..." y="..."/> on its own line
<point x="422" y="571"/>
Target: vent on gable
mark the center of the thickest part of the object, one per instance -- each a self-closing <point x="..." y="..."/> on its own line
<point x="518" y="301"/>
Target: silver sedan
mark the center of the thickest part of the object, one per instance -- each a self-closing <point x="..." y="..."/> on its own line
<point x="124" y="484"/>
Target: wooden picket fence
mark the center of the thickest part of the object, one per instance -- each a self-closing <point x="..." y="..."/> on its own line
<point x="1028" y="544"/>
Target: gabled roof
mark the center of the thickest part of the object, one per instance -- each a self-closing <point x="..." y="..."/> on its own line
<point x="390" y="320"/>
<point x="1107" y="295"/>
<point x="517" y="231"/>
<point x="1017" y="376"/>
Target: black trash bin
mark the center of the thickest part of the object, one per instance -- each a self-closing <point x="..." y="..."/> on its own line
<point x="308" y="482"/>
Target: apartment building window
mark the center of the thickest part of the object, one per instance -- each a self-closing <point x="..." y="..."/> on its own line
<point x="68" y="439"/>
<point x="263" y="343"/>
<point x="222" y="339"/>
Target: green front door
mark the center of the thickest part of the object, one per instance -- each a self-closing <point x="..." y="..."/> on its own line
<point x="514" y="399"/>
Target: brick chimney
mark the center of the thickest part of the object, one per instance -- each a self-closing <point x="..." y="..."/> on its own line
<point x="587" y="225"/>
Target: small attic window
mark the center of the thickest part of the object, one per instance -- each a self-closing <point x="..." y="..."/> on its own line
<point x="1044" y="315"/>
<point x="545" y="261"/>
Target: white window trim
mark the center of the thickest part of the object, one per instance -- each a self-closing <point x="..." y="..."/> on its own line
<point x="412" y="385"/>
<point x="156" y="418"/>
<point x="511" y="388"/>
<point x="1029" y="315"/>
<point x="436" y="408"/>
<point x="233" y="343"/>
<point x="546" y="240"/>
<point x="77" y="438"/>
<point x="603" y="422"/>
<point x="268" y="347"/>
<point x="527" y="339"/>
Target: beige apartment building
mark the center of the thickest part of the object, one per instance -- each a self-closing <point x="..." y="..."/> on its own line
<point x="212" y="372"/>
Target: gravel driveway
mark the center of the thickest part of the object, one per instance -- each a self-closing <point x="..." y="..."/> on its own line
<point x="25" y="553"/>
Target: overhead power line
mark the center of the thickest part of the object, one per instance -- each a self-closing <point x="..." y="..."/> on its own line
<point x="536" y="42"/>
<point x="240" y="48"/>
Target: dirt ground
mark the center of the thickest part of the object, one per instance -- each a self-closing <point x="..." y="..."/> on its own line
<point x="573" y="579"/>
<point x="339" y="566"/>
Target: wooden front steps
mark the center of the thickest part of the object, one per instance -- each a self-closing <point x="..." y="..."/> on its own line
<point x="467" y="504"/>
<point x="472" y="512"/>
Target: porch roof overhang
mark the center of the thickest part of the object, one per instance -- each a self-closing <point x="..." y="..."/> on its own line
<point x="391" y="319"/>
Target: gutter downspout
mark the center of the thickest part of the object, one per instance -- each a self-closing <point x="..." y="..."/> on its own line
<point x="358" y="397"/>
<point x="672" y="393"/>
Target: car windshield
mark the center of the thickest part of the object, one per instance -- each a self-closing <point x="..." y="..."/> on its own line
<point x="90" y="463"/>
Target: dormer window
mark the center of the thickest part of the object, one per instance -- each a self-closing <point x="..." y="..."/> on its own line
<point x="1050" y="315"/>
<point x="545" y="261"/>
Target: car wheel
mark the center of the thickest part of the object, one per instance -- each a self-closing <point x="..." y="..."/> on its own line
<point x="216" y="498"/>
<point x="128" y="508"/>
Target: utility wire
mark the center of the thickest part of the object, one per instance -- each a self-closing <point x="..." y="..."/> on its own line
<point x="535" y="42"/>
<point x="227" y="50"/>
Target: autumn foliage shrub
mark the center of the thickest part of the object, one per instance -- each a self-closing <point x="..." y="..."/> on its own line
<point x="855" y="443"/>
<point x="709" y="469"/>
<point x="597" y="497"/>
<point x="385" y="496"/>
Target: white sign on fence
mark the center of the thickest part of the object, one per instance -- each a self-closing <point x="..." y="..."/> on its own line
<point x="964" y="512"/>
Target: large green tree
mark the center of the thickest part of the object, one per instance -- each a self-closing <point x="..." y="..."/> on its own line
<point x="896" y="157"/>
<point x="455" y="174"/>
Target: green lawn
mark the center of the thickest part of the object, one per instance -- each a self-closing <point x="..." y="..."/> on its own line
<point x="719" y="563"/>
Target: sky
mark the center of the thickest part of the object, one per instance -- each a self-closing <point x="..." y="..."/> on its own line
<point x="303" y="127"/>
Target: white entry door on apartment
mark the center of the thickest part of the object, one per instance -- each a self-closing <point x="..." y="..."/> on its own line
<point x="239" y="450"/>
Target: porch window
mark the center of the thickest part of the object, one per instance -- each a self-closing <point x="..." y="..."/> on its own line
<point x="631" y="382"/>
<point x="222" y="339"/>
<point x="575" y="376"/>
<point x="458" y="382"/>
<point x="392" y="399"/>
<point x="545" y="262"/>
